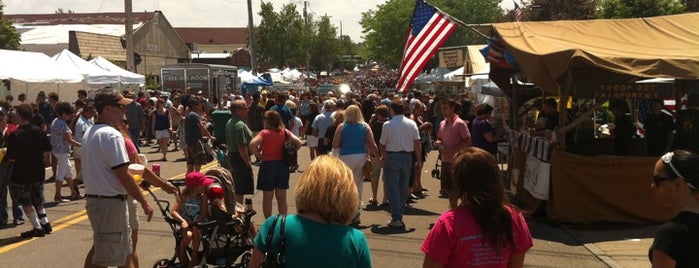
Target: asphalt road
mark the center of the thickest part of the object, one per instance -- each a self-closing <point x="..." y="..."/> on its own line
<point x="554" y="245"/>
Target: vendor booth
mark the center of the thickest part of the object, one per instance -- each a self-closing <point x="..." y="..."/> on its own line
<point x="598" y="60"/>
<point x="31" y="72"/>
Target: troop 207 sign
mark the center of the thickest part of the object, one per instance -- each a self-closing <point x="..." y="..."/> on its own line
<point x="451" y="58"/>
<point x="625" y="91"/>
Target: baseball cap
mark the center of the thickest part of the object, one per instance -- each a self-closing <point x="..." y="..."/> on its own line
<point x="194" y="179"/>
<point x="329" y="103"/>
<point x="111" y="99"/>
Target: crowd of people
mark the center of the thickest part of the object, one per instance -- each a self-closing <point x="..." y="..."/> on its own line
<point x="372" y="136"/>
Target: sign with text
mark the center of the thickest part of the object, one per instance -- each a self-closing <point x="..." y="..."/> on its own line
<point x="625" y="91"/>
<point x="453" y="58"/>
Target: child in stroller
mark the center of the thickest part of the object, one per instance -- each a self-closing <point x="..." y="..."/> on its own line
<point x="226" y="236"/>
<point x="191" y="208"/>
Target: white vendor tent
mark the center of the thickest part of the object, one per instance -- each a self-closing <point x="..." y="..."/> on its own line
<point x="31" y="72"/>
<point x="125" y="77"/>
<point x="94" y="75"/>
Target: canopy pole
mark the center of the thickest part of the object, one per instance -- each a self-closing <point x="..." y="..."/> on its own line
<point x="563" y="109"/>
<point x="515" y="103"/>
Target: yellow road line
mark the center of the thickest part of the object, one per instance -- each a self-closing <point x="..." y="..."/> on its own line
<point x="79" y="216"/>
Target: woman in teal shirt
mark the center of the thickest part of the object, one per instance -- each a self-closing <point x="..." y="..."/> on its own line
<point x="318" y="236"/>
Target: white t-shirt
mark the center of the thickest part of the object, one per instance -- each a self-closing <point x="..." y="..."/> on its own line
<point x="106" y="150"/>
<point x="398" y="134"/>
<point x="297" y="126"/>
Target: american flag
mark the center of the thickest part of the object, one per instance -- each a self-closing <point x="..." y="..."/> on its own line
<point x="519" y="13"/>
<point x="429" y="28"/>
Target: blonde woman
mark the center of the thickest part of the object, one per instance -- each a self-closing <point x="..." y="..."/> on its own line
<point x="318" y="236"/>
<point x="354" y="140"/>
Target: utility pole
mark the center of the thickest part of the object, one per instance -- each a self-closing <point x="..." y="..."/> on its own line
<point x="308" y="39"/>
<point x="251" y="36"/>
<point x="128" y="24"/>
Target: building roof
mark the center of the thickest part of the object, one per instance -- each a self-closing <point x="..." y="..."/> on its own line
<point x="212" y="35"/>
<point x="77" y="18"/>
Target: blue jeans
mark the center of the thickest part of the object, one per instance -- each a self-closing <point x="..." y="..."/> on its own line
<point x="396" y="172"/>
<point x="4" y="184"/>
<point x="135" y="134"/>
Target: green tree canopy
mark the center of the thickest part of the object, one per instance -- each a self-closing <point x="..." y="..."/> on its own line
<point x="9" y="38"/>
<point x="548" y="10"/>
<point x="614" y="9"/>
<point x="327" y="46"/>
<point x="385" y="28"/>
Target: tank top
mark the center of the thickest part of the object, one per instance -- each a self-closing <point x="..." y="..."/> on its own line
<point x="162" y="121"/>
<point x="191" y="208"/>
<point x="352" y="140"/>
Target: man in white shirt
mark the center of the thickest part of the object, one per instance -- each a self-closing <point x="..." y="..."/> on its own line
<point x="399" y="139"/>
<point x="107" y="183"/>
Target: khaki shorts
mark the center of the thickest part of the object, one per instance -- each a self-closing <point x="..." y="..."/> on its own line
<point x="133" y="213"/>
<point x="77" y="152"/>
<point x="111" y="235"/>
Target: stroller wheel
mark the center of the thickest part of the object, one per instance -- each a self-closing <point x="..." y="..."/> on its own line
<point x="162" y="263"/>
<point x="245" y="260"/>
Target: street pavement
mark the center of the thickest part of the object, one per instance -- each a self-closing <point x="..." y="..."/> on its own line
<point x="603" y="245"/>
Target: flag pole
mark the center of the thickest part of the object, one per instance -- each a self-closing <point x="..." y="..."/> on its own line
<point x="471" y="26"/>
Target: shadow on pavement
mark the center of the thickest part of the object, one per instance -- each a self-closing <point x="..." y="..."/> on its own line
<point x="386" y="230"/>
<point x="541" y="228"/>
<point x="11" y="240"/>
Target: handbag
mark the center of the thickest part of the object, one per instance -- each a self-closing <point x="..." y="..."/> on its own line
<point x="289" y="151"/>
<point x="268" y="259"/>
<point x="210" y="154"/>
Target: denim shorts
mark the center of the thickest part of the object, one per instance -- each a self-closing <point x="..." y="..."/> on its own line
<point x="273" y="175"/>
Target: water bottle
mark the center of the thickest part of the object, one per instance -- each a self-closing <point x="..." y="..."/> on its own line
<point x="248" y="204"/>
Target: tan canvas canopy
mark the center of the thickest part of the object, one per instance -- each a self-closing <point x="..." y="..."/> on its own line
<point x="604" y="51"/>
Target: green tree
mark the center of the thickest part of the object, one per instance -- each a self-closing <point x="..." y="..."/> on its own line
<point x="9" y="38"/>
<point x="326" y="45"/>
<point x="385" y="28"/>
<point x="280" y="36"/>
<point x="63" y="11"/>
<point x="614" y="9"/>
<point x="550" y="10"/>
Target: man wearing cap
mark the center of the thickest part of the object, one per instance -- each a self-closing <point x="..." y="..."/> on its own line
<point x="107" y="183"/>
<point x="320" y="124"/>
<point x="194" y="131"/>
<point x="238" y="137"/>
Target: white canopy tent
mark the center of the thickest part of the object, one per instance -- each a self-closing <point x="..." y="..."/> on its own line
<point x="125" y="77"/>
<point x="94" y="75"/>
<point x="31" y="72"/>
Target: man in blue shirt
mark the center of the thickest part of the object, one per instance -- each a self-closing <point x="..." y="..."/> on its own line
<point x="284" y="112"/>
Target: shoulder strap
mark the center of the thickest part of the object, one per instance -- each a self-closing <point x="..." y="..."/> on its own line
<point x="281" y="259"/>
<point x="270" y="235"/>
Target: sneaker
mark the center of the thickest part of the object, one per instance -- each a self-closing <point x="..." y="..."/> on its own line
<point x="396" y="224"/>
<point x="33" y="233"/>
<point x="47" y="228"/>
<point x="18" y="221"/>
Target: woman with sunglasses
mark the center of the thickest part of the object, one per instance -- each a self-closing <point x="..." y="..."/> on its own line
<point x="675" y="185"/>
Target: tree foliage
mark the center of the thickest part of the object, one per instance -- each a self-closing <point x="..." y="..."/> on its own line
<point x="326" y="46"/>
<point x="280" y="36"/>
<point x="612" y="9"/>
<point x="9" y="38"/>
<point x="385" y="28"/>
<point x="550" y="10"/>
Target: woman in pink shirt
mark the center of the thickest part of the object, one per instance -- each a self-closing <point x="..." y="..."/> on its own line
<point x="273" y="176"/>
<point x="484" y="230"/>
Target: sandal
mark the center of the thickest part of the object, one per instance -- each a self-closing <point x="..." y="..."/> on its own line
<point x="373" y="201"/>
<point x="59" y="199"/>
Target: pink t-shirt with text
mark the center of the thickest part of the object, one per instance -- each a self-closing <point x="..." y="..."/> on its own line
<point x="456" y="240"/>
<point x="271" y="145"/>
<point x="451" y="133"/>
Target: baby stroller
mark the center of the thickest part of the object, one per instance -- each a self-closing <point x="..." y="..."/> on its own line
<point x="225" y="243"/>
